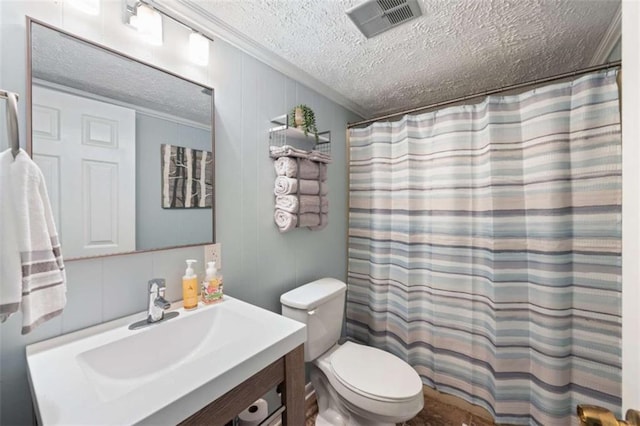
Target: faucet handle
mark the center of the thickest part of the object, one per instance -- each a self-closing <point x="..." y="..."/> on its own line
<point x="160" y="284"/>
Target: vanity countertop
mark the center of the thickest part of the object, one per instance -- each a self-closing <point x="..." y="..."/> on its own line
<point x="161" y="374"/>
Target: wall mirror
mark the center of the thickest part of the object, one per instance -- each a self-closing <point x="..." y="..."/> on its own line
<point x="126" y="148"/>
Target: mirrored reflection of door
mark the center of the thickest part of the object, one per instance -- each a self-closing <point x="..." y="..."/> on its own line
<point x="86" y="151"/>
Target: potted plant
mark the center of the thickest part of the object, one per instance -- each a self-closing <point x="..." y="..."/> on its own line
<point x="303" y="118"/>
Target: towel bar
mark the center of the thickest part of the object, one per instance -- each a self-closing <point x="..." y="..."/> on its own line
<point x="12" y="120"/>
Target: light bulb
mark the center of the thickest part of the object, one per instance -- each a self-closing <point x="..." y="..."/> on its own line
<point x="149" y="24"/>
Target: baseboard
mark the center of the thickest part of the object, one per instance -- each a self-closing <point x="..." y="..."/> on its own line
<point x="309" y="402"/>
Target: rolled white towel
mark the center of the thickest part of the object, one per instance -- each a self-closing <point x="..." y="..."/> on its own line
<point x="324" y="204"/>
<point x="284" y="220"/>
<point x="288" y="203"/>
<point x="286" y="166"/>
<point x="285" y="185"/>
<point x="324" y="221"/>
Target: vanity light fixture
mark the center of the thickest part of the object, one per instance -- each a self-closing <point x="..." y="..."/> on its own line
<point x="90" y="7"/>
<point x="146" y="20"/>
<point x="146" y="16"/>
<point x="198" y="49"/>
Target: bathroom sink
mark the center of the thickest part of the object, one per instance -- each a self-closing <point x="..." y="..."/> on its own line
<point x="163" y="373"/>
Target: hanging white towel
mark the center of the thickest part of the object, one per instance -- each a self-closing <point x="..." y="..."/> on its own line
<point x="10" y="270"/>
<point x="40" y="288"/>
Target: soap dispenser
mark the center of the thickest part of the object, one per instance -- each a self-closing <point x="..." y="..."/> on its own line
<point x="190" y="287"/>
<point x="212" y="285"/>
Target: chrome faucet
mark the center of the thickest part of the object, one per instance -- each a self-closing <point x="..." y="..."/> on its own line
<point x="157" y="303"/>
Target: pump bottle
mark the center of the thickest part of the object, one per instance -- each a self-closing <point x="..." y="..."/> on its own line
<point x="212" y="285"/>
<point x="190" y="287"/>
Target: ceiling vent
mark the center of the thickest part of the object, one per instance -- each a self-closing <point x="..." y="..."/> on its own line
<point x="376" y="16"/>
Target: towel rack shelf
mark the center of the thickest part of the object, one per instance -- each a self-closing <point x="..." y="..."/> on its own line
<point x="282" y="134"/>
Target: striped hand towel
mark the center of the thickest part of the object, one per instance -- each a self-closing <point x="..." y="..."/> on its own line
<point x="41" y="291"/>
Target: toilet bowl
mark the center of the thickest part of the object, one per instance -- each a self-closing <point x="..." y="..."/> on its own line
<point x="355" y="385"/>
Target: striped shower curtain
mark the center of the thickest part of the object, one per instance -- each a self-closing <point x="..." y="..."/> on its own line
<point x="485" y="248"/>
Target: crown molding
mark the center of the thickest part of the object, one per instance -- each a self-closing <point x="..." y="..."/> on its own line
<point x="609" y="40"/>
<point x="203" y="21"/>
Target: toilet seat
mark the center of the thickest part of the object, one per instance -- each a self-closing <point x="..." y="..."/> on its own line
<point x="374" y="373"/>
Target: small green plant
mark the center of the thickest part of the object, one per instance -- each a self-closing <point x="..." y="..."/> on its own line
<point x="305" y="120"/>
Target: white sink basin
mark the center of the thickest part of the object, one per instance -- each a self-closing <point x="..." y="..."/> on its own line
<point x="163" y="373"/>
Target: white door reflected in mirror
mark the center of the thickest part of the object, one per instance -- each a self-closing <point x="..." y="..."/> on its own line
<point x="86" y="150"/>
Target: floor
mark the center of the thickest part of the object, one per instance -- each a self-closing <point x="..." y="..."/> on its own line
<point x="439" y="410"/>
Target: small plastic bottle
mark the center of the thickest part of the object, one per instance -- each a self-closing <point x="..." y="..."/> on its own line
<point x="212" y="285"/>
<point x="190" y="287"/>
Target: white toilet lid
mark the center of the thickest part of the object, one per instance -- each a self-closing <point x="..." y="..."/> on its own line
<point x="375" y="373"/>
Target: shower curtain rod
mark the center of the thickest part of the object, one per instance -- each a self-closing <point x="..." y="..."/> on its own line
<point x="608" y="65"/>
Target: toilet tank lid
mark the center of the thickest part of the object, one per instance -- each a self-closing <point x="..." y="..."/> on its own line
<point x="313" y="294"/>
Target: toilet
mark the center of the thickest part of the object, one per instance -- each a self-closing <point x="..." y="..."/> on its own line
<point x="355" y="385"/>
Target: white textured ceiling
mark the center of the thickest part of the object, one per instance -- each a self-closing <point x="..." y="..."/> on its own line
<point x="67" y="61"/>
<point x="457" y="48"/>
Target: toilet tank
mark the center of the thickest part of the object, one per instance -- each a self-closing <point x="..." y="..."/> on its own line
<point x="320" y="305"/>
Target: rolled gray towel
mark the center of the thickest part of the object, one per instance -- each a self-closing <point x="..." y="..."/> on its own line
<point x="322" y="172"/>
<point x="324" y="221"/>
<point x="309" y="204"/>
<point x="324" y="204"/>
<point x="309" y="219"/>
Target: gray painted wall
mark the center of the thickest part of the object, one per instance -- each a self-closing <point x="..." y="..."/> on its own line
<point x="616" y="52"/>
<point x="155" y="226"/>
<point x="259" y="263"/>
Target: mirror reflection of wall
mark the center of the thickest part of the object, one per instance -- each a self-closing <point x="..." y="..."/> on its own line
<point x="97" y="131"/>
